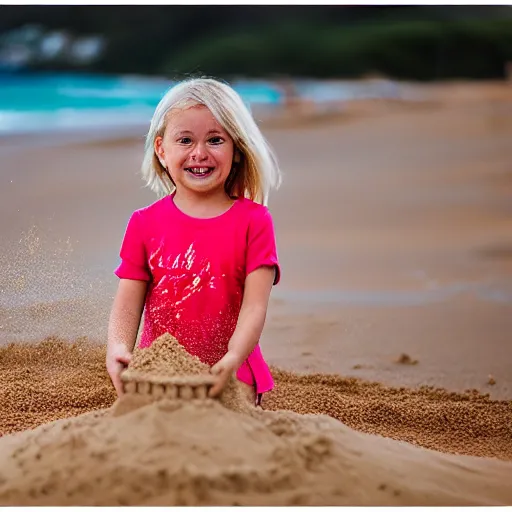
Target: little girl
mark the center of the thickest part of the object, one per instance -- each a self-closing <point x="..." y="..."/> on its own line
<point x="201" y="261"/>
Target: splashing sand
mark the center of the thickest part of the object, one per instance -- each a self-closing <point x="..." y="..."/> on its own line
<point x="167" y="453"/>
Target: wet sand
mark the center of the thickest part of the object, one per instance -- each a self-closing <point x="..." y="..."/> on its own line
<point x="394" y="238"/>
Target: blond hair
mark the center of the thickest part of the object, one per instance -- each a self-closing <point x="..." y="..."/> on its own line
<point x="257" y="170"/>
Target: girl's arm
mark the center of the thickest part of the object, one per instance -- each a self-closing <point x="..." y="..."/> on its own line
<point x="123" y="327"/>
<point x="251" y="320"/>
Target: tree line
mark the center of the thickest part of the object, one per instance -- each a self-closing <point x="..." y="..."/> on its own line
<point x="405" y="42"/>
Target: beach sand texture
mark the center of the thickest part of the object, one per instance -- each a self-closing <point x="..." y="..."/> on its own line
<point x="205" y="452"/>
<point x="389" y="333"/>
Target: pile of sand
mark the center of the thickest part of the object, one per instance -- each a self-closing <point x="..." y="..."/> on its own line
<point x="166" y="358"/>
<point x="206" y="453"/>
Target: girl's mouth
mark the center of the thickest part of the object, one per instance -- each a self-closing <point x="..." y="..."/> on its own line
<point x="199" y="172"/>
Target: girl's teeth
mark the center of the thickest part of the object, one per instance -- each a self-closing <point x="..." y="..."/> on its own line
<point x="203" y="170"/>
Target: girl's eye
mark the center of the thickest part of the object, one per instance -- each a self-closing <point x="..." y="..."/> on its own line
<point x="185" y="140"/>
<point x="216" y="140"/>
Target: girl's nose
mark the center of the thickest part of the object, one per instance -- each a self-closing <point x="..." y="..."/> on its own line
<point x="199" y="152"/>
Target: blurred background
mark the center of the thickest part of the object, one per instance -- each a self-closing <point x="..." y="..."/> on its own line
<point x="56" y="61"/>
<point x="393" y="128"/>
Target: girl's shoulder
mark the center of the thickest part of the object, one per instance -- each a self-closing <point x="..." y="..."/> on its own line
<point x="253" y="209"/>
<point x="154" y="209"/>
<point x="256" y="216"/>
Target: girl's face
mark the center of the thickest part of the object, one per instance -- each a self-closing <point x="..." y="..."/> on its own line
<point x="196" y="150"/>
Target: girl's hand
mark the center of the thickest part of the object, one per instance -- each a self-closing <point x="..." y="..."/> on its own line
<point x="118" y="358"/>
<point x="224" y="369"/>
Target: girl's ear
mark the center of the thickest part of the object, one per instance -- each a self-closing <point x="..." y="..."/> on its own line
<point x="159" y="150"/>
<point x="237" y="157"/>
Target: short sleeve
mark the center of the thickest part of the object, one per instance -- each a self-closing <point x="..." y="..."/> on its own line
<point x="261" y="244"/>
<point x="133" y="252"/>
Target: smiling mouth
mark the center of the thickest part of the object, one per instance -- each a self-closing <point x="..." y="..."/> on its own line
<point x="199" y="172"/>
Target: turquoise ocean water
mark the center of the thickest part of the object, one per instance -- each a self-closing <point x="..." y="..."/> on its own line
<point x="42" y="102"/>
<point x="66" y="102"/>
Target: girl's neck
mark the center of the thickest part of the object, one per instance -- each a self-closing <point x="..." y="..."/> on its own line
<point x="204" y="206"/>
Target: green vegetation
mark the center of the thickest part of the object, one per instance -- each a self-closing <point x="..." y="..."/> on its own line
<point x="424" y="50"/>
<point x="406" y="42"/>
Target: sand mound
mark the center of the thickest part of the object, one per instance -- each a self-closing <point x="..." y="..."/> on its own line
<point x="210" y="453"/>
<point x="171" y="454"/>
<point x="166" y="357"/>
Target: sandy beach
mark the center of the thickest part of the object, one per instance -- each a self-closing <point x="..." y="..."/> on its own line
<point x="392" y="319"/>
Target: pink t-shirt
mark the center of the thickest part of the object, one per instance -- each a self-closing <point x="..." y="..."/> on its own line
<point x="196" y="270"/>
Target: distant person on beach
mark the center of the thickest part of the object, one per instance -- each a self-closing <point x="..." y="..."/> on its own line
<point x="201" y="261"/>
